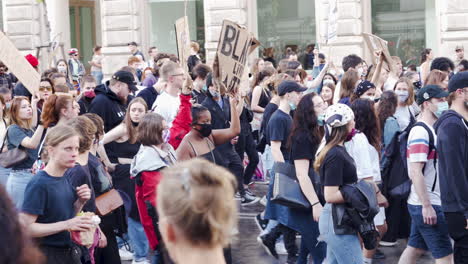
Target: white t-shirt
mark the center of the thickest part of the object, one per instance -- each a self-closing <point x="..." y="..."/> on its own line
<point x="97" y="59"/>
<point x="365" y="157"/>
<point x="167" y="106"/>
<point x="403" y="116"/>
<point x="418" y="151"/>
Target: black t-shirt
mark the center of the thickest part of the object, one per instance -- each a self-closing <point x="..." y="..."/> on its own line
<point x="78" y="176"/>
<point x="302" y="147"/>
<point x="269" y="110"/>
<point x="52" y="200"/>
<point x="337" y="168"/>
<point x="278" y="129"/>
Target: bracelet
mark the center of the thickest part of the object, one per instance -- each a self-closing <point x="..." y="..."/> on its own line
<point x="315" y="203"/>
<point x="377" y="192"/>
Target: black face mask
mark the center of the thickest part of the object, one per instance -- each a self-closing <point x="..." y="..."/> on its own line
<point x="417" y="85"/>
<point x="135" y="124"/>
<point x="205" y="130"/>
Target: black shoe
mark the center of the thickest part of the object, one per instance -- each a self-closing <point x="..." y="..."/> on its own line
<point x="268" y="245"/>
<point x="261" y="223"/>
<point x="246" y="200"/>
<point x="292" y="259"/>
<point x="378" y="255"/>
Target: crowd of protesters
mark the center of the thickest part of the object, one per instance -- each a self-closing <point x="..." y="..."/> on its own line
<point x="146" y="165"/>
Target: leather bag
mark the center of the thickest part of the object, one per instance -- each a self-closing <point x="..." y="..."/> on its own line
<point x="286" y="188"/>
<point x="108" y="202"/>
<point x="12" y="157"/>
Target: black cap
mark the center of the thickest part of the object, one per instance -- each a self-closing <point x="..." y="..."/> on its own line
<point x="458" y="81"/>
<point x="430" y="91"/>
<point x="133" y="43"/>
<point x="289" y="86"/>
<point x="126" y="77"/>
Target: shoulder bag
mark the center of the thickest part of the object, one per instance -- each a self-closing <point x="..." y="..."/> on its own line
<point x="286" y="188"/>
<point x="12" y="157"/>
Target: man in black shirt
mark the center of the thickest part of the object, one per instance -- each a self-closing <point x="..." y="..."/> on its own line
<point x="133" y="47"/>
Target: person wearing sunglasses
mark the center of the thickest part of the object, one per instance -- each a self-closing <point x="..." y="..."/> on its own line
<point x="75" y="66"/>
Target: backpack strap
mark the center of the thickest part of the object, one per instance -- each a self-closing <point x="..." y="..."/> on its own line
<point x="431" y="148"/>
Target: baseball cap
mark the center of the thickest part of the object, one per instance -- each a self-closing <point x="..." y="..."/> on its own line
<point x="430" y="91"/>
<point x="338" y="115"/>
<point x="288" y="87"/>
<point x="458" y="81"/>
<point x="73" y="51"/>
<point x="32" y="60"/>
<point x="125" y="77"/>
<point x="133" y="43"/>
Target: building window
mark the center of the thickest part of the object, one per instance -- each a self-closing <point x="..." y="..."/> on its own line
<point x="403" y="25"/>
<point x="164" y="13"/>
<point x="286" y="23"/>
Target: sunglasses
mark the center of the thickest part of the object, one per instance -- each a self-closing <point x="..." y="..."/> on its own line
<point x="43" y="88"/>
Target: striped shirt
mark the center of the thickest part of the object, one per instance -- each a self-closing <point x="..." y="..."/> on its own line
<point x="418" y="151"/>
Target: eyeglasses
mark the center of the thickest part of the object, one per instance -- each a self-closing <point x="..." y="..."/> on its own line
<point x="180" y="74"/>
<point x="43" y="88"/>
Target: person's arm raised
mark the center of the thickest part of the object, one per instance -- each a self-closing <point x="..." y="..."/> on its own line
<point x="221" y="136"/>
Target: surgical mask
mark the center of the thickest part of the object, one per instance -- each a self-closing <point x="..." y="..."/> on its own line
<point x="351" y="135"/>
<point x="372" y="98"/>
<point x="321" y="119"/>
<point x="62" y="69"/>
<point x="214" y="94"/>
<point x="292" y="106"/>
<point x="402" y="95"/>
<point x="166" y="135"/>
<point x="328" y="81"/>
<point x="360" y="71"/>
<point x="89" y="94"/>
<point x="204" y="88"/>
<point x="205" y="129"/>
<point x="417" y="84"/>
<point x="441" y="108"/>
<point x="7" y="105"/>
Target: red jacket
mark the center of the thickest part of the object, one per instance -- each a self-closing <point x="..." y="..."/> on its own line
<point x="181" y="124"/>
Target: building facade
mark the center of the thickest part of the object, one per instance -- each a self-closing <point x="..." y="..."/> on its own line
<point x="408" y="26"/>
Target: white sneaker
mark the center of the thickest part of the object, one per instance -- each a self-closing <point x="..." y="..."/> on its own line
<point x="125" y="254"/>
<point x="263" y="201"/>
<point x="280" y="248"/>
<point x="388" y="244"/>
<point x="145" y="261"/>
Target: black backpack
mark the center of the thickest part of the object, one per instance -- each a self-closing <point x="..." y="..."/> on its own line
<point x="395" y="180"/>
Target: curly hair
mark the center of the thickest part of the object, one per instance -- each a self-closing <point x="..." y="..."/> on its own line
<point x="387" y="106"/>
<point x="367" y="121"/>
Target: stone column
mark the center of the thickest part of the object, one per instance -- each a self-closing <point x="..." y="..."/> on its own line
<point x="215" y="12"/>
<point x="59" y="17"/>
<point x="121" y="24"/>
<point x="453" y="27"/>
<point x="353" y="20"/>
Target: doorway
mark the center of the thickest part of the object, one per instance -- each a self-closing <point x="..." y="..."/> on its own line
<point x="83" y="29"/>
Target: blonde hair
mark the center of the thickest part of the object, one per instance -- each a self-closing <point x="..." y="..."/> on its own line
<point x="167" y="69"/>
<point x="58" y="134"/>
<point x="337" y="136"/>
<point x="410" y="99"/>
<point x="197" y="197"/>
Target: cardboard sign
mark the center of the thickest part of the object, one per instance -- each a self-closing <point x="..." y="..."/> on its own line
<point x="235" y="44"/>
<point x="332" y="29"/>
<point x="183" y="40"/>
<point x="18" y="65"/>
<point x="377" y="44"/>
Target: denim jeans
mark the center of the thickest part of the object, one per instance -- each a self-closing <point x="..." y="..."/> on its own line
<point x="16" y="184"/>
<point x="4" y="174"/>
<point x="310" y="245"/>
<point x="98" y="76"/>
<point x="341" y="249"/>
<point x="138" y="240"/>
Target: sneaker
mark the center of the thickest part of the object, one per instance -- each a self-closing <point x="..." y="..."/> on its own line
<point x="378" y="255"/>
<point x="280" y="248"/>
<point x="250" y="193"/>
<point x="125" y="254"/>
<point x="269" y="246"/>
<point x="144" y="261"/>
<point x="263" y="201"/>
<point x="261" y="223"/>
<point x="237" y="196"/>
<point x="246" y="200"/>
<point x="388" y="244"/>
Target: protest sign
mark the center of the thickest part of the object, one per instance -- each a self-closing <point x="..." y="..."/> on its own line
<point x="376" y="45"/>
<point x="235" y="44"/>
<point x="332" y="29"/>
<point x="18" y="65"/>
<point x="183" y="40"/>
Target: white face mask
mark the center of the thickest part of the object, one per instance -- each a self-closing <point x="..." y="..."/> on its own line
<point x="372" y="98"/>
<point x="360" y="71"/>
<point x="402" y="95"/>
<point x="62" y="69"/>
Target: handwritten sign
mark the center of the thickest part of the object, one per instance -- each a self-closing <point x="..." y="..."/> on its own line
<point x="18" y="65"/>
<point x="235" y="44"/>
<point x="332" y="31"/>
<point x="377" y="44"/>
<point x="183" y="40"/>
